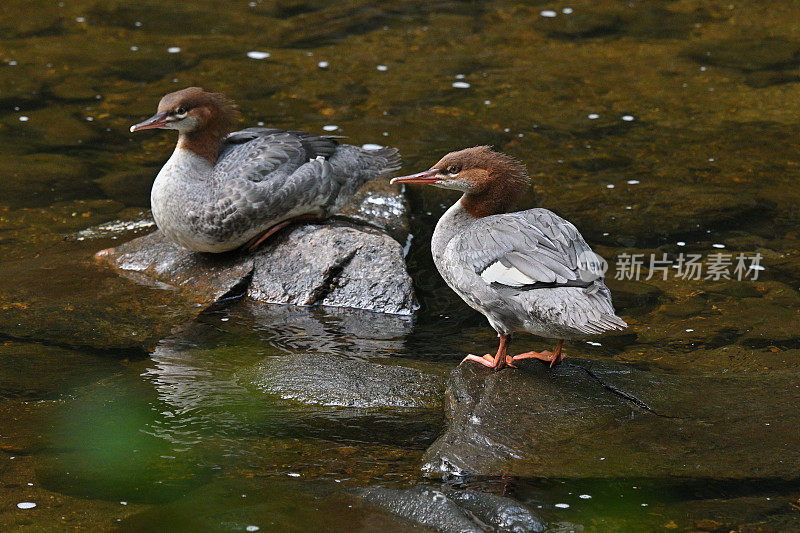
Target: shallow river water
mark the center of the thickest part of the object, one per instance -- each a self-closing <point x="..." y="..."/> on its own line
<point x="657" y="127"/>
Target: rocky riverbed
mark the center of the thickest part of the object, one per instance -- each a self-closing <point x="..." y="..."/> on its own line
<point x="136" y="402"/>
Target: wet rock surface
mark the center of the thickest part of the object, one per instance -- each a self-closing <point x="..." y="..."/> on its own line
<point x="333" y="265"/>
<point x="333" y="381"/>
<point x="455" y="511"/>
<point x="380" y="204"/>
<point x="597" y="419"/>
<point x="338" y="266"/>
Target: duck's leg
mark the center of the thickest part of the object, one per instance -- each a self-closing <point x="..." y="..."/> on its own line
<point x="258" y="240"/>
<point x="501" y="358"/>
<point x="547" y="356"/>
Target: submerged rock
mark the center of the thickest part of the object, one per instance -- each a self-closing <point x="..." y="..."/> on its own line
<point x="748" y="54"/>
<point x="330" y="264"/>
<point x="334" y="381"/>
<point x="456" y="511"/>
<point x="585" y="419"/>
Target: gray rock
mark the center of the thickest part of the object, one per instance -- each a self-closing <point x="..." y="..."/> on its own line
<point x="319" y="379"/>
<point x="503" y="513"/>
<point x="207" y="277"/>
<point x="331" y="264"/>
<point x="455" y="511"/>
<point x="382" y="205"/>
<point x="586" y="419"/>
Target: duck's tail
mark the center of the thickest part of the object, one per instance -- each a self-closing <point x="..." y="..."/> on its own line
<point x="353" y="166"/>
<point x="388" y="158"/>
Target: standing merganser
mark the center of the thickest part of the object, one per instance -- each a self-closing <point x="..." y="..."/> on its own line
<point x="525" y="271"/>
<point x="220" y="190"/>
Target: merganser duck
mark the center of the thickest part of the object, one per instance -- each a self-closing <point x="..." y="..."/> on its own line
<point x="525" y="271"/>
<point x="220" y="190"/>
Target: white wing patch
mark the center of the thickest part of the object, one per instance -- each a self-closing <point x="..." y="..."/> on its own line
<point x="498" y="273"/>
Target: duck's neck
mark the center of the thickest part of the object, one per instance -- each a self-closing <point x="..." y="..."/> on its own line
<point x="205" y="144"/>
<point x="454" y="221"/>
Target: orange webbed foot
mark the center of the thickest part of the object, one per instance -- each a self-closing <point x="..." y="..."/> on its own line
<point x="547" y="356"/>
<point x="486" y="360"/>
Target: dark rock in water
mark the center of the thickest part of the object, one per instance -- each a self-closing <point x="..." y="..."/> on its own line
<point x="586" y="419"/>
<point x="748" y="54"/>
<point x="512" y="422"/>
<point x="455" y="511"/>
<point x="330" y="264"/>
<point x="503" y="513"/>
<point x="329" y="380"/>
<point x="424" y="505"/>
<point x="761" y="79"/>
<point x="644" y="22"/>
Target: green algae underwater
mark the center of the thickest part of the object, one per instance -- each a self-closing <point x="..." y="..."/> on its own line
<point x="659" y="127"/>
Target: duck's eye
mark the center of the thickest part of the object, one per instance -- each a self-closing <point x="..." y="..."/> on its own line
<point x="180" y="112"/>
<point x="453" y="170"/>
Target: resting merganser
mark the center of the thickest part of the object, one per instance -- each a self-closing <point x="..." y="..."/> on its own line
<point x="220" y="190"/>
<point x="525" y="271"/>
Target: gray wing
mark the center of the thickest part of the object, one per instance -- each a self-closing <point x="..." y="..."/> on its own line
<point x="530" y="249"/>
<point x="537" y="262"/>
<point x="258" y="154"/>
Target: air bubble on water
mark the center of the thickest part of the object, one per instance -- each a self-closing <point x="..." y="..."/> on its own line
<point x="255" y="54"/>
